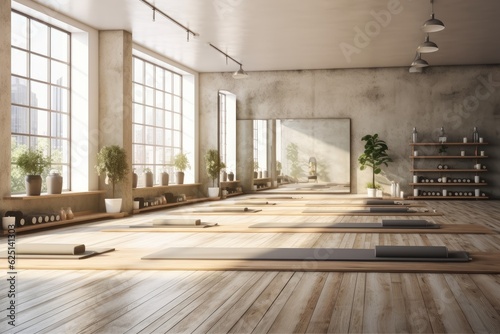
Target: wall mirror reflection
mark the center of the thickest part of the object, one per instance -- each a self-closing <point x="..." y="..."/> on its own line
<point x="227" y="132"/>
<point x="312" y="155"/>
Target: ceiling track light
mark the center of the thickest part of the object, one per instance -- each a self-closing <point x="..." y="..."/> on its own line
<point x="189" y="31"/>
<point x="418" y="61"/>
<point x="239" y="74"/>
<point x="427" y="46"/>
<point x="433" y="24"/>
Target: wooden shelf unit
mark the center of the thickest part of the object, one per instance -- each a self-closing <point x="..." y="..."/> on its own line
<point x="170" y="205"/>
<point x="461" y="161"/>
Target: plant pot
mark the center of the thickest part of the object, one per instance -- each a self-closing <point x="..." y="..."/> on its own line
<point x="113" y="205"/>
<point x="379" y="193"/>
<point x="54" y="183"/>
<point x="135" y="178"/>
<point x="255" y="175"/>
<point x="179" y="176"/>
<point x="164" y="179"/>
<point x="371" y="192"/>
<point x="230" y="176"/>
<point x="223" y="175"/>
<point x="33" y="185"/>
<point x="213" y="192"/>
<point x="148" y="179"/>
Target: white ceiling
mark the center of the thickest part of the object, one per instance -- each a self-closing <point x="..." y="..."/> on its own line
<point x="297" y="34"/>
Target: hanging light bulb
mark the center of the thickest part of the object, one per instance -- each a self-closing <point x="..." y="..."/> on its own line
<point x="419" y="62"/>
<point x="427" y="46"/>
<point x="432" y="24"/>
<point x="240" y="74"/>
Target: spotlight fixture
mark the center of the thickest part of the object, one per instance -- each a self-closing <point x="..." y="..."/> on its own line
<point x="419" y="62"/>
<point x="414" y="69"/>
<point x="188" y="31"/>
<point x="427" y="46"/>
<point x="432" y="24"/>
<point x="239" y="74"/>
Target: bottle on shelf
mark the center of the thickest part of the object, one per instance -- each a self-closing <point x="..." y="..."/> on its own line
<point x="475" y="135"/>
<point x="442" y="135"/>
<point x="414" y="135"/>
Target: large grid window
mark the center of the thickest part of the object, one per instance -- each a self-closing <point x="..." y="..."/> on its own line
<point x="157" y="117"/>
<point x="40" y="101"/>
<point x="223" y="128"/>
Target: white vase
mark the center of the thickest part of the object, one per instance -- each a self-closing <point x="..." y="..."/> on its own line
<point x="213" y="192"/>
<point x="113" y="205"/>
<point x="8" y="223"/>
<point x="372" y="192"/>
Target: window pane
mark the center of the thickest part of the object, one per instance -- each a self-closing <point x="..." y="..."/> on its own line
<point x="177" y="84"/>
<point x="150" y="135"/>
<point x="177" y="104"/>
<point x="59" y="44"/>
<point x="20" y="91"/>
<point x="159" y="78"/>
<point x="138" y="154"/>
<point x="177" y="139"/>
<point x="150" y="116"/>
<point x="159" y="99"/>
<point x="149" y="155"/>
<point x="59" y="125"/>
<point x="159" y="155"/>
<point x="59" y="74"/>
<point x="39" y="68"/>
<point x="168" y="101"/>
<point x="19" y="62"/>
<point x="150" y="101"/>
<point x="159" y="117"/>
<point x="39" y="94"/>
<point x="19" y="120"/>
<point x="138" y="71"/>
<point x="168" y="81"/>
<point x="19" y="35"/>
<point x="138" y="113"/>
<point x="138" y="93"/>
<point x="60" y="149"/>
<point x="39" y="124"/>
<point x="177" y="121"/>
<point x="149" y="74"/>
<point x="39" y="38"/>
<point x="168" y="138"/>
<point x="159" y="136"/>
<point x="138" y="133"/>
<point x="168" y="119"/>
<point x="59" y="99"/>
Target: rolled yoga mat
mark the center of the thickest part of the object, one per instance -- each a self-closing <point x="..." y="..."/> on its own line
<point x="50" y="249"/>
<point x="411" y="251"/>
<point x="304" y="254"/>
<point x="176" y="222"/>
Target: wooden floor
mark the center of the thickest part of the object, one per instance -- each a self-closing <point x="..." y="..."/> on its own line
<point x="165" y="301"/>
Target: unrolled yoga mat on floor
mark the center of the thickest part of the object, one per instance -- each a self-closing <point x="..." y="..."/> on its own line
<point x="408" y="225"/>
<point x="400" y="254"/>
<point x="168" y="227"/>
<point x="225" y="210"/>
<point x="176" y="222"/>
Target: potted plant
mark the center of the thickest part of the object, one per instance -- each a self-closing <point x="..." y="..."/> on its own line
<point x="279" y="166"/>
<point x="213" y="166"/>
<point x="181" y="163"/>
<point x="164" y="177"/>
<point x="255" y="169"/>
<point x="33" y="163"/>
<point x="112" y="162"/>
<point x="54" y="182"/>
<point x="374" y="156"/>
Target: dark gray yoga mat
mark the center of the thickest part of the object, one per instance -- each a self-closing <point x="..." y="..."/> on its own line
<point x="406" y="222"/>
<point x="345" y="225"/>
<point x="380" y="202"/>
<point x="412" y="251"/>
<point x="367" y="210"/>
<point x="295" y="254"/>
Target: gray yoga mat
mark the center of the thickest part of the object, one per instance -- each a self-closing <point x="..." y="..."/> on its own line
<point x="87" y="253"/>
<point x="367" y="210"/>
<point x="228" y="210"/>
<point x="176" y="222"/>
<point x="380" y="202"/>
<point x="345" y="225"/>
<point x="406" y="222"/>
<point x="411" y="251"/>
<point x="299" y="254"/>
<point x="167" y="226"/>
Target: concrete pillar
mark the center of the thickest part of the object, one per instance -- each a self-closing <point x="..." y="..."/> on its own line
<point x="115" y="102"/>
<point x="5" y="92"/>
<point x="244" y="160"/>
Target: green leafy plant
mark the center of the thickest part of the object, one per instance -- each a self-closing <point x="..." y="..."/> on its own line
<point x="374" y="156"/>
<point x="32" y="162"/>
<point x="213" y="164"/>
<point x="181" y="162"/>
<point x="112" y="162"/>
<point x="443" y="149"/>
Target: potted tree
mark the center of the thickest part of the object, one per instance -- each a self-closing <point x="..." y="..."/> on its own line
<point x="181" y="163"/>
<point x="112" y="162"/>
<point x="374" y="156"/>
<point x="33" y="163"/>
<point x="213" y="165"/>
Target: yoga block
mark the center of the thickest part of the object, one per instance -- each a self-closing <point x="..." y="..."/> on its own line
<point x="170" y="198"/>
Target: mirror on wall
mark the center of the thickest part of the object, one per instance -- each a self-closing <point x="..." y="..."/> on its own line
<point x="311" y="155"/>
<point x="227" y="129"/>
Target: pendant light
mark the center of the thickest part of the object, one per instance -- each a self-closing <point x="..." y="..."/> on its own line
<point x="432" y="24"/>
<point x="419" y="62"/>
<point x="427" y="46"/>
<point x="240" y="74"/>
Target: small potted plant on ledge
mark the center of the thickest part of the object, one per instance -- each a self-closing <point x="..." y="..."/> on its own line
<point x="112" y="163"/>
<point x="33" y="163"/>
<point x="181" y="163"/>
<point x="148" y="177"/>
<point x="213" y="165"/>
<point x="374" y="156"/>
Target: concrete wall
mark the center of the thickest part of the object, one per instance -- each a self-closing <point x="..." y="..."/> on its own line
<point x="388" y="101"/>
